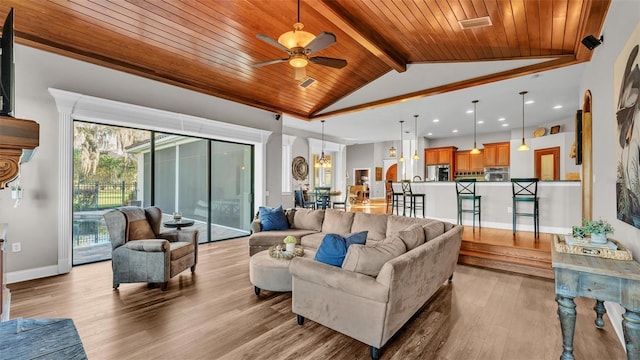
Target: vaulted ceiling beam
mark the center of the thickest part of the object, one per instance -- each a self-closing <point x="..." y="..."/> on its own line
<point x="369" y="39"/>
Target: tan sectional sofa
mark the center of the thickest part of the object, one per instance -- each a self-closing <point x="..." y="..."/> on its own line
<point x="381" y="284"/>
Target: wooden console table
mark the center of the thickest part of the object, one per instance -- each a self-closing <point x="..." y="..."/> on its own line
<point x="603" y="280"/>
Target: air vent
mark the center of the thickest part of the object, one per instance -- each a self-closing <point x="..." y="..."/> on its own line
<point x="307" y="82"/>
<point x="475" y="23"/>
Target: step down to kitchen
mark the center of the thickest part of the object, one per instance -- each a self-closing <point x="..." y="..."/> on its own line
<point x="498" y="249"/>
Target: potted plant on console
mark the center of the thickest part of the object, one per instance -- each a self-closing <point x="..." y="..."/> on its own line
<point x="597" y="229"/>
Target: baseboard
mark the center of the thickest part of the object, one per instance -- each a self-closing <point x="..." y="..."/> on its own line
<point x="30" y="274"/>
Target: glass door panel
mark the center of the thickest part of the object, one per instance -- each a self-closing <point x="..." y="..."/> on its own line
<point x="105" y="176"/>
<point x="231" y="189"/>
<point x="181" y="179"/>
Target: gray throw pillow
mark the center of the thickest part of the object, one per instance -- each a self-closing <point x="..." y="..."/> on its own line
<point x="369" y="260"/>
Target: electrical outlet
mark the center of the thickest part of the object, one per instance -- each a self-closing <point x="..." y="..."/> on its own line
<point x="15" y="247"/>
<point x="509" y="209"/>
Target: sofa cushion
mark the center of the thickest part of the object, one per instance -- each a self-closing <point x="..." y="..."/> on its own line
<point x="375" y="224"/>
<point x="433" y="230"/>
<point x="275" y="237"/>
<point x="308" y="219"/>
<point x="334" y="247"/>
<point x="369" y="260"/>
<point x="396" y="223"/>
<point x="413" y="236"/>
<point x="273" y="218"/>
<point x="312" y="240"/>
<point x="337" y="221"/>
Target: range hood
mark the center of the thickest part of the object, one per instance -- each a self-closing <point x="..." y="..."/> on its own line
<point x="18" y="140"/>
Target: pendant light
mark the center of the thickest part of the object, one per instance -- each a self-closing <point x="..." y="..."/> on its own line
<point x="323" y="161"/>
<point x="523" y="146"/>
<point x="475" y="149"/>
<point x="415" y="154"/>
<point x="401" y="142"/>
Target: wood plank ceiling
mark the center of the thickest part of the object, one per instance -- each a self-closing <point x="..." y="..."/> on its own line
<point x="209" y="46"/>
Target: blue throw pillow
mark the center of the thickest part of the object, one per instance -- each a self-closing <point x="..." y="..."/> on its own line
<point x="334" y="247"/>
<point x="273" y="218"/>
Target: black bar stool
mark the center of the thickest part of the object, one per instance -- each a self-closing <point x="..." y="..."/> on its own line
<point x="397" y="200"/>
<point x="414" y="204"/>
<point x="525" y="190"/>
<point x="466" y="190"/>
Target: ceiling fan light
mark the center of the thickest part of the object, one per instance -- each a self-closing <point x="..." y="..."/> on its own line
<point x="298" y="61"/>
<point x="296" y="38"/>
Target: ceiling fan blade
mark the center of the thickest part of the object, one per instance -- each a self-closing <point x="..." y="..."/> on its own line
<point x="299" y="73"/>
<point x="330" y="62"/>
<point x="273" y="42"/>
<point x="269" y="62"/>
<point x="323" y="40"/>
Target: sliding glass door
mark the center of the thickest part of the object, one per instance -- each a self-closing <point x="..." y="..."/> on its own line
<point x="207" y="181"/>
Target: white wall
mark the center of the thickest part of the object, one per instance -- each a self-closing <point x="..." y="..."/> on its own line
<point x="34" y="223"/>
<point x="622" y="18"/>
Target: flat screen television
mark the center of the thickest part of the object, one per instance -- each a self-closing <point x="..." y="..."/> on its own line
<point x="6" y="68"/>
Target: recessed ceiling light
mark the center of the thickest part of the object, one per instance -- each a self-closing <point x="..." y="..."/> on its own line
<point x="455" y="130"/>
<point x="469" y="111"/>
<point x="502" y="119"/>
<point x="436" y="120"/>
<point x="505" y="124"/>
<point x="558" y="107"/>
<point x="528" y="102"/>
<point x="429" y="134"/>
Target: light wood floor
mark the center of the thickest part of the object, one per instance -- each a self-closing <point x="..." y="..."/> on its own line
<point x="214" y="314"/>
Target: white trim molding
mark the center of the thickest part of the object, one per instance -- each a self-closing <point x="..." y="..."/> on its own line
<point x="73" y="106"/>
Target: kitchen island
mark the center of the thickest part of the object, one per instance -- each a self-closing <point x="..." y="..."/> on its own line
<point x="560" y="204"/>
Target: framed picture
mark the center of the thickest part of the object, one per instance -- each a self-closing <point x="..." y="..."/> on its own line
<point x="555" y="129"/>
<point x="378" y="174"/>
<point x="578" y="140"/>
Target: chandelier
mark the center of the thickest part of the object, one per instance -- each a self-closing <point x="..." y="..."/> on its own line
<point x="323" y="161"/>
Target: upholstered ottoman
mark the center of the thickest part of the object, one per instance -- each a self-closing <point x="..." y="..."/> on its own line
<point x="269" y="273"/>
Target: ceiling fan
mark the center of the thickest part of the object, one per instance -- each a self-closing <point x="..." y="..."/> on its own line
<point x="299" y="45"/>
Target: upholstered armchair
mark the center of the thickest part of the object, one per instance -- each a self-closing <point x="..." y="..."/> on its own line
<point x="142" y="253"/>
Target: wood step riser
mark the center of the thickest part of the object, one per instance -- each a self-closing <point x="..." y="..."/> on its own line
<point x="512" y="252"/>
<point x="506" y="266"/>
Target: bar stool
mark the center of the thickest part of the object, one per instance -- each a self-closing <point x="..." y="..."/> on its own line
<point x="466" y="190"/>
<point x="525" y="190"/>
<point x="388" y="195"/>
<point x="397" y="200"/>
<point x="413" y="203"/>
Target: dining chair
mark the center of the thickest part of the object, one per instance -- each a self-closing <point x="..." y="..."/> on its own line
<point x="301" y="202"/>
<point x="323" y="197"/>
<point x="342" y="204"/>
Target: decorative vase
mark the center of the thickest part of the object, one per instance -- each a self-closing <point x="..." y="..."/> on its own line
<point x="598" y="238"/>
<point x="290" y="247"/>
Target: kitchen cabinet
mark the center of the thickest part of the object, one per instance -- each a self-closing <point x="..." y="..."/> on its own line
<point x="467" y="162"/>
<point x="439" y="156"/>
<point x="496" y="154"/>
